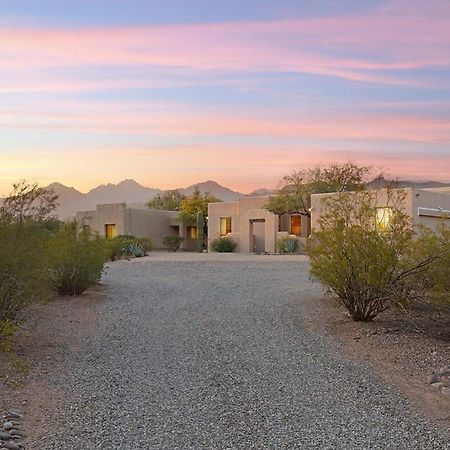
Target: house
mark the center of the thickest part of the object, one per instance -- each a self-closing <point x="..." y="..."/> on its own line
<point x="110" y="220"/>
<point x="254" y="228"/>
<point x="428" y="207"/>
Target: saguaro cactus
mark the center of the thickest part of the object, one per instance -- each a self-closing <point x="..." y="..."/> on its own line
<point x="200" y="231"/>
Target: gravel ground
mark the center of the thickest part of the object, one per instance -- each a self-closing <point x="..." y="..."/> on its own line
<point x="208" y="352"/>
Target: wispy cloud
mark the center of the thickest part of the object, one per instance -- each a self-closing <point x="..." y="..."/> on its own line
<point x="365" y="48"/>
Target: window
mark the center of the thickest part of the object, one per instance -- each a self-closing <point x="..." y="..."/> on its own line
<point x="193" y="232"/>
<point x="110" y="230"/>
<point x="383" y="217"/>
<point x="225" y="225"/>
<point x="296" y="225"/>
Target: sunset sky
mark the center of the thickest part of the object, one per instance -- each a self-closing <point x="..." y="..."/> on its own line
<point x="240" y="91"/>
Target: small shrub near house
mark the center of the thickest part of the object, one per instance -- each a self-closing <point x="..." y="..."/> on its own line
<point x="223" y="245"/>
<point x="366" y="260"/>
<point x="287" y="246"/>
<point x="77" y="260"/>
<point x="173" y="243"/>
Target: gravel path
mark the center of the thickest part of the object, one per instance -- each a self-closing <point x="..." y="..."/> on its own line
<point x="213" y="353"/>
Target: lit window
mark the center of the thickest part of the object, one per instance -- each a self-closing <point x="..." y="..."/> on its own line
<point x="225" y="225"/>
<point x="383" y="217"/>
<point x="110" y="230"/>
<point x="296" y="225"/>
<point x="193" y="232"/>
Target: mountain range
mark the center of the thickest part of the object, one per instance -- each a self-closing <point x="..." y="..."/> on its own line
<point x="129" y="191"/>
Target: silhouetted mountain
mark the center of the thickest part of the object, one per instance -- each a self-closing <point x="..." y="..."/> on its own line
<point x="129" y="191"/>
<point x="126" y="191"/>
<point x="215" y="189"/>
<point x="381" y="182"/>
<point x="261" y="192"/>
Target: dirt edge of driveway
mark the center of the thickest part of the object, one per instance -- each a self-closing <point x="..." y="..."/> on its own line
<point x="404" y="349"/>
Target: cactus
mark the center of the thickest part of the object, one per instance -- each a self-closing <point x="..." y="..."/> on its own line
<point x="200" y="231"/>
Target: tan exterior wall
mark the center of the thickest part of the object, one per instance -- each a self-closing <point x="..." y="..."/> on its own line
<point x="151" y="223"/>
<point x="114" y="213"/>
<point x="252" y="226"/>
<point x="154" y="224"/>
<point x="414" y="199"/>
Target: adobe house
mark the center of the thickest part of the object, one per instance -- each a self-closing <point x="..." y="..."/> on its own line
<point x="110" y="220"/>
<point x="254" y="228"/>
<point x="428" y="207"/>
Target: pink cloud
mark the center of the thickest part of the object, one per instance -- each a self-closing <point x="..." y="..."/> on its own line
<point x="182" y="120"/>
<point x="390" y="39"/>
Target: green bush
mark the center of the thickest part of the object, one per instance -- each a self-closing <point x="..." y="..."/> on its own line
<point x="26" y="225"/>
<point x="433" y="283"/>
<point x="173" y="243"/>
<point x="287" y="246"/>
<point x="77" y="260"/>
<point x="223" y="245"/>
<point x="367" y="264"/>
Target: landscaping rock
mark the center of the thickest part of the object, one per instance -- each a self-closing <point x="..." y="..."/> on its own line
<point x="8" y="426"/>
<point x="11" y="445"/>
<point x="15" y="432"/>
<point x="4" y="436"/>
<point x="433" y="378"/>
<point x="14" y="415"/>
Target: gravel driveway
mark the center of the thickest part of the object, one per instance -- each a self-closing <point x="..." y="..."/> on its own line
<point x="213" y="352"/>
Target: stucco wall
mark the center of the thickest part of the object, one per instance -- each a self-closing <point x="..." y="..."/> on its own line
<point x="104" y="214"/>
<point x="151" y="223"/>
<point x="414" y="198"/>
<point x="154" y="224"/>
<point x="242" y="212"/>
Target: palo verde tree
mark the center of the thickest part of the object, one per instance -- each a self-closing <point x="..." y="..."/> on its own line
<point x="294" y="195"/>
<point x="194" y="203"/>
<point x="366" y="256"/>
<point x="169" y="200"/>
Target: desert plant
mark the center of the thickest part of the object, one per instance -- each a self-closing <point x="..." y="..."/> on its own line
<point x="433" y="284"/>
<point x="287" y="245"/>
<point x="200" y="231"/>
<point x="365" y="264"/>
<point x="25" y="227"/>
<point x="173" y="243"/>
<point x="135" y="249"/>
<point x="77" y="260"/>
<point x="123" y="246"/>
<point x="223" y="245"/>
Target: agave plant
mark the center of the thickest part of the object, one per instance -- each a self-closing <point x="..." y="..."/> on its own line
<point x="135" y="249"/>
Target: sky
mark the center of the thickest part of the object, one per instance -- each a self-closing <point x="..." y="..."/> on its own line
<point x="240" y="91"/>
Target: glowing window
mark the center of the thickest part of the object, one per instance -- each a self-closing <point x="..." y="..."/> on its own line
<point x="193" y="233"/>
<point x="383" y="217"/>
<point x="296" y="225"/>
<point x="225" y="225"/>
<point x="110" y="230"/>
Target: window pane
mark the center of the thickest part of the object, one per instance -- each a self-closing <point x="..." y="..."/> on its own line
<point x="110" y="230"/>
<point x="384" y="217"/>
<point x="296" y="225"/>
<point x="225" y="225"/>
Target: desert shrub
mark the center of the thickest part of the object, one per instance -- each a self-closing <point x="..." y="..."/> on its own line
<point x="223" y="245"/>
<point x="25" y="228"/>
<point x="77" y="260"/>
<point x="173" y="243"/>
<point x="366" y="263"/>
<point x="287" y="245"/>
<point x="434" y="283"/>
